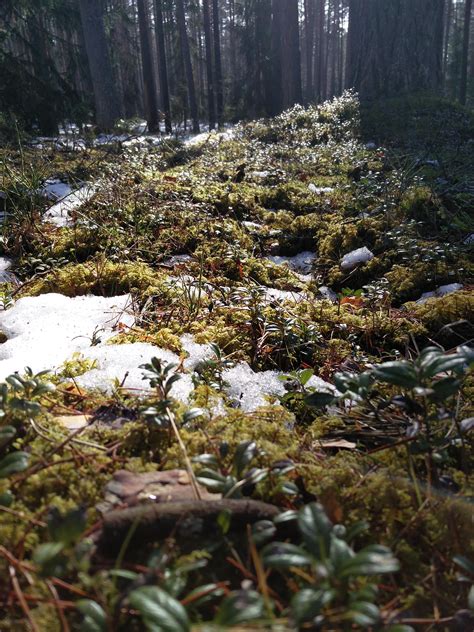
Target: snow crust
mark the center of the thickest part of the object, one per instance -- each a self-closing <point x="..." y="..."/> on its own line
<point x="5" y="275"/>
<point x="60" y="213"/>
<point x="319" y="190"/>
<point x="250" y="390"/>
<point x="302" y="262"/>
<point x="442" y="290"/>
<point x="356" y="257"/>
<point x="44" y="331"/>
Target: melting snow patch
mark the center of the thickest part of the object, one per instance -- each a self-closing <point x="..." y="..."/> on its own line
<point x="272" y="294"/>
<point x="55" y="189"/>
<point x="440" y="291"/>
<point x="303" y="262"/>
<point x="44" y="331"/>
<point x="319" y="190"/>
<point x="60" y="213"/>
<point x="5" y="275"/>
<point x="327" y="293"/>
<point x="469" y="240"/>
<point x="356" y="257"/>
<point x="250" y="390"/>
<point x="121" y="363"/>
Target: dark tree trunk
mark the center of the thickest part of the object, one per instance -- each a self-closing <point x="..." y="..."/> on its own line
<point x="309" y="23"/>
<point x="186" y="53"/>
<point x="106" y="102"/>
<point x="395" y="47"/>
<point x="218" y="62"/>
<point x="162" y="65"/>
<point x="286" y="56"/>
<point x="151" y="105"/>
<point x="465" y="51"/>
<point x="211" y="106"/>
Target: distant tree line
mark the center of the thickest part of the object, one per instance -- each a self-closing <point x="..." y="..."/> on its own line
<point x="172" y="61"/>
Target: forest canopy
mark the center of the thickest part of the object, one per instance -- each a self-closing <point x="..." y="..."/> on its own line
<point x="222" y="60"/>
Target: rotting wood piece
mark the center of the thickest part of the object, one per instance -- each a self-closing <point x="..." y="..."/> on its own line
<point x="151" y="522"/>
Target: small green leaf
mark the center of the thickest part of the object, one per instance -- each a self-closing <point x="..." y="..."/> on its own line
<point x="160" y="612"/>
<point x="13" y="463"/>
<point x="315" y="528"/>
<point x="240" y="606"/>
<point x="399" y="373"/>
<point x="319" y="400"/>
<point x="95" y="619"/>
<point x="282" y="555"/>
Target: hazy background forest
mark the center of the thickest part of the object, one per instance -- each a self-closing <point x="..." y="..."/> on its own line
<point x="212" y="61"/>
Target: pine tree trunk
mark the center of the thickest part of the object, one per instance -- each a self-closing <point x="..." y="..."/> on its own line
<point x="218" y="62"/>
<point x="465" y="51"/>
<point x="309" y="23"/>
<point x="186" y="53"/>
<point x="211" y="106"/>
<point x="395" y="47"/>
<point x="162" y="65"/>
<point x="106" y="101"/>
<point x="151" y="105"/>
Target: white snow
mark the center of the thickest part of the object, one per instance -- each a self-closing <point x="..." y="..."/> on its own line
<point x="176" y="260"/>
<point x="122" y="363"/>
<point x="356" y="257"/>
<point x="272" y="294"/>
<point x="249" y="390"/>
<point x="319" y="190"/>
<point x="440" y="291"/>
<point x="60" y="213"/>
<point x="252" y="226"/>
<point x="302" y="262"/>
<point x="44" y="331"/>
<point x="327" y="293"/>
<point x="55" y="189"/>
<point x="5" y="275"/>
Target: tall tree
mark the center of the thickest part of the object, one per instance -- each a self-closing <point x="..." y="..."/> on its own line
<point x="186" y="53"/>
<point x="309" y="25"/>
<point x="151" y="104"/>
<point x="394" y="47"/>
<point x="286" y="55"/>
<point x="465" y="51"/>
<point x="211" y="106"/>
<point x="162" y="65"/>
<point x="106" y="101"/>
<point x="219" y="83"/>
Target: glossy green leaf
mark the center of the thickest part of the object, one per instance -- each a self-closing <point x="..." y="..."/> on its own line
<point x="95" y="619"/>
<point x="14" y="463"/>
<point x="239" y="607"/>
<point x="159" y="610"/>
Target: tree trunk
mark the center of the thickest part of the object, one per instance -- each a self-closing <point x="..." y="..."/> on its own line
<point x="151" y="105"/>
<point x="286" y="56"/>
<point x="211" y="106"/>
<point x="218" y="62"/>
<point x="186" y="53"/>
<point x="465" y="51"/>
<point x="309" y="23"/>
<point x="106" y="101"/>
<point x="162" y="65"/>
<point x="395" y="47"/>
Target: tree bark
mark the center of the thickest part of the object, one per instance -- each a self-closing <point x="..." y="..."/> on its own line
<point x="395" y="47"/>
<point x="465" y="51"/>
<point x="211" y="106"/>
<point x="162" y="65"/>
<point x="309" y="24"/>
<point x="151" y="104"/>
<point x="186" y="53"/>
<point x="106" y="101"/>
<point x="218" y="62"/>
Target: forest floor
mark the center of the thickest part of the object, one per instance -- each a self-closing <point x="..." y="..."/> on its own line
<point x="236" y="345"/>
